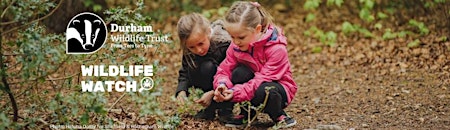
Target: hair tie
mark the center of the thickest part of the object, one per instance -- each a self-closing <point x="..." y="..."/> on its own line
<point x="256" y="4"/>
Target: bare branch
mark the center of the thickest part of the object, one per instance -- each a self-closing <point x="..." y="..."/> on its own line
<point x="39" y="19"/>
<point x="35" y="79"/>
<point x="4" y="11"/>
<point x="112" y="106"/>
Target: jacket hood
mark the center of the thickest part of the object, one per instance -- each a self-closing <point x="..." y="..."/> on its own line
<point x="218" y="34"/>
<point x="272" y="36"/>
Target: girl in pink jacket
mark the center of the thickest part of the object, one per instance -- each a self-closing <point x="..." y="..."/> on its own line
<point x="256" y="59"/>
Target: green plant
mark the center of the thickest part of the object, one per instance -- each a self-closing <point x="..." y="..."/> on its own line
<point x="247" y="106"/>
<point x="47" y="79"/>
<point x="310" y="17"/>
<point x="211" y="12"/>
<point x="382" y="15"/>
<point x="328" y="38"/>
<point x="365" y="13"/>
<point x="423" y="30"/>
<point x="443" y="39"/>
<point x="311" y="4"/>
<point x="190" y="107"/>
<point x="388" y="34"/>
<point x="336" y="2"/>
<point x="95" y="7"/>
<point x="414" y="43"/>
<point x="317" y="49"/>
<point x="348" y="29"/>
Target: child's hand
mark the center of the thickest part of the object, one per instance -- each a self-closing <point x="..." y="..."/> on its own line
<point x="228" y="94"/>
<point x="218" y="96"/>
<point x="181" y="97"/>
<point x="222" y="94"/>
<point x="206" y="98"/>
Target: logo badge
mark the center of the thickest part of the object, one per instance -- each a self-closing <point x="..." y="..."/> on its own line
<point x="85" y="34"/>
<point x="146" y="84"/>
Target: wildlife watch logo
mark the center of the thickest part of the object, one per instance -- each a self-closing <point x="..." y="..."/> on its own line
<point x="85" y="34"/>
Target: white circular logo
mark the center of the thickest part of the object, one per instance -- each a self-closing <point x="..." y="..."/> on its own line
<point x="86" y="33"/>
<point x="146" y="84"/>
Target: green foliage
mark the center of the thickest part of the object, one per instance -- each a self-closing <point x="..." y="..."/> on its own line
<point x="366" y="15"/>
<point x="420" y="25"/>
<point x="311" y="4"/>
<point x="432" y="3"/>
<point x="310" y="17"/>
<point x="328" y="38"/>
<point x="317" y="49"/>
<point x="190" y="107"/>
<point x="248" y="106"/>
<point x="171" y="123"/>
<point x="211" y="12"/>
<point x="24" y="11"/>
<point x="127" y="15"/>
<point x="382" y="15"/>
<point x="40" y="54"/>
<point x="336" y="2"/>
<point x="369" y="4"/>
<point x="349" y="29"/>
<point x="414" y="43"/>
<point x="5" y="121"/>
<point x="443" y="39"/>
<point x="388" y="34"/>
<point x="90" y="3"/>
<point x="378" y="26"/>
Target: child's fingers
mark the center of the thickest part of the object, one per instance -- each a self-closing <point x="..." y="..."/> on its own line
<point x="228" y="94"/>
<point x="218" y="98"/>
<point x="180" y="100"/>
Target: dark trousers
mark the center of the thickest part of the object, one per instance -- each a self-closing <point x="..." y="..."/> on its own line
<point x="203" y="78"/>
<point x="277" y="99"/>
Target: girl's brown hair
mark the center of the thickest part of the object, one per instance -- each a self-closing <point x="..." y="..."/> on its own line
<point x="249" y="14"/>
<point x="186" y="26"/>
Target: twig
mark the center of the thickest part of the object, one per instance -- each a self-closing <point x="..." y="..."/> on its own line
<point x="123" y="95"/>
<point x="53" y="81"/>
<point x="4" y="11"/>
<point x="257" y="111"/>
<point x="39" y="19"/>
<point x="18" y="95"/>
<point x="5" y="86"/>
<point x="61" y="78"/>
<point x="6" y="23"/>
<point x="42" y="121"/>
<point x="57" y="68"/>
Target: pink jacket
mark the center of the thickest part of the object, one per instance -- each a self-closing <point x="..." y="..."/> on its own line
<point x="268" y="58"/>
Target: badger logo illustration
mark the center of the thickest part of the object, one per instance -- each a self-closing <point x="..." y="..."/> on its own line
<point x="86" y="33"/>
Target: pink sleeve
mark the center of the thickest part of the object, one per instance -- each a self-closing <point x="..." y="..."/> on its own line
<point x="223" y="74"/>
<point x="276" y="66"/>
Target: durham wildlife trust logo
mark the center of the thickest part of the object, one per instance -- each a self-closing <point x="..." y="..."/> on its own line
<point x="86" y="33"/>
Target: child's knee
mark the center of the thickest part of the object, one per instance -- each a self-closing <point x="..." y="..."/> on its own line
<point x="208" y="68"/>
<point x="241" y="74"/>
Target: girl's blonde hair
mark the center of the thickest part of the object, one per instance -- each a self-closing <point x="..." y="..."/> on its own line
<point x="186" y="26"/>
<point x="249" y="14"/>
